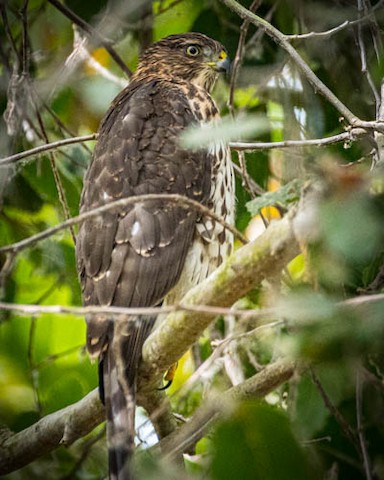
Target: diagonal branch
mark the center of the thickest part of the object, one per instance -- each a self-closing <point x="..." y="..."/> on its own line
<point x="60" y="428"/>
<point x="93" y="32"/>
<point x="46" y="147"/>
<point x="283" y="42"/>
<point x="118" y="206"/>
<point x="241" y="272"/>
<point x="244" y="270"/>
<point x="206" y="415"/>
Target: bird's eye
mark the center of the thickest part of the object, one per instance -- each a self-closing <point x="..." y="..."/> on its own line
<point x="193" y="51"/>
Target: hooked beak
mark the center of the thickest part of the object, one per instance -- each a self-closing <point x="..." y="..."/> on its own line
<point x="223" y="64"/>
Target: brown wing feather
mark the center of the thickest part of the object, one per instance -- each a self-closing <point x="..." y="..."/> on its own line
<point x="134" y="258"/>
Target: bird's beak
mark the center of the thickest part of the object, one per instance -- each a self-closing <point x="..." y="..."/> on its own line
<point x="223" y="64"/>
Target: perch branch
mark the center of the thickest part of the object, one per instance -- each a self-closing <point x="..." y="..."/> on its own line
<point x="242" y="271"/>
<point x="249" y="266"/>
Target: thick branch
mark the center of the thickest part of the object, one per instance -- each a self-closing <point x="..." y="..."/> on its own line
<point x="244" y="270"/>
<point x="60" y="428"/>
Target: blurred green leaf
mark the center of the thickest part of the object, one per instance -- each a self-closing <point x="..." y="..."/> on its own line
<point x="225" y="130"/>
<point x="257" y="442"/>
<point x="286" y="195"/>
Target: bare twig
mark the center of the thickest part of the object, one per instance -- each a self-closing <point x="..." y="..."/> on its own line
<point x="46" y="147"/>
<point x="93" y="32"/>
<point x="29" y="309"/>
<point x="344" y="425"/>
<point x="118" y="205"/>
<point x="80" y="51"/>
<point x="281" y="40"/>
<point x="363" y="58"/>
<point x="360" y="428"/>
<point x="59" y="184"/>
<point x="328" y="33"/>
<point x="255" y="188"/>
<point x="87" y="447"/>
<point x="35" y="309"/>
<point x="201" y="373"/>
<point x="239" y="56"/>
<point x="348" y="136"/>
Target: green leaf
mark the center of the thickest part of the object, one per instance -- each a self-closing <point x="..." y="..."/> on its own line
<point x="287" y="194"/>
<point x="257" y="443"/>
<point x="176" y="18"/>
<point x="225" y="130"/>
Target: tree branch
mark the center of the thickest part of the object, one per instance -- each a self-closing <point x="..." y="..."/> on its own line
<point x="248" y="267"/>
<point x="251" y="264"/>
<point x="183" y="439"/>
<point x="349" y="136"/>
<point x="93" y="32"/>
<point x="241" y="272"/>
<point x="282" y="41"/>
<point x="60" y="428"/>
<point x="118" y="205"/>
<point x="45" y="148"/>
<point x="338" y="28"/>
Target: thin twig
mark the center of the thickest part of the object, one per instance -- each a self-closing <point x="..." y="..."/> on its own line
<point x="360" y="428"/>
<point x="255" y="188"/>
<point x="338" y="28"/>
<point x="52" y="161"/>
<point x="363" y="58"/>
<point x="281" y="40"/>
<point x="46" y="147"/>
<point x="349" y="136"/>
<point x="239" y="56"/>
<point x="93" y="32"/>
<point x="87" y="447"/>
<point x="34" y="309"/>
<point x="345" y="427"/>
<point x="80" y="51"/>
<point x="118" y="205"/>
<point x="201" y="372"/>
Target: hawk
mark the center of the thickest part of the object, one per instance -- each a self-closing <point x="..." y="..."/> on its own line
<point x="153" y="251"/>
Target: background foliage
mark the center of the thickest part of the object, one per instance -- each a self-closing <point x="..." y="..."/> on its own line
<point x="328" y="421"/>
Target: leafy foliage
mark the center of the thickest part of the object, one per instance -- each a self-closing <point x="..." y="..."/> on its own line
<point x="327" y="422"/>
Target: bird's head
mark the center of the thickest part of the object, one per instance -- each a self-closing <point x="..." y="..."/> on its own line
<point x="192" y="57"/>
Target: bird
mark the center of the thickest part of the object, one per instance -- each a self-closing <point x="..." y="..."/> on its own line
<point x="152" y="252"/>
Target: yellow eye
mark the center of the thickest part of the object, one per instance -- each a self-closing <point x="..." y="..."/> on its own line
<point x="193" y="50"/>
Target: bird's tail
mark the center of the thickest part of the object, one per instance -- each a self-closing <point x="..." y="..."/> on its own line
<point x="118" y="375"/>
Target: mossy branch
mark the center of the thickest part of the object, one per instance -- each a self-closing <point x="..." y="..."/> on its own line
<point x="244" y="270"/>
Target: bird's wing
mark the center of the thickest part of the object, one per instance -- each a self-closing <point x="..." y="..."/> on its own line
<point x="133" y="258"/>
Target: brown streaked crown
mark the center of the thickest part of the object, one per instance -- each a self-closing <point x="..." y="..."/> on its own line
<point x="190" y="57"/>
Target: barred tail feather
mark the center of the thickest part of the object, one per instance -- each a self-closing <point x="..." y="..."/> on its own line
<point x="118" y="384"/>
